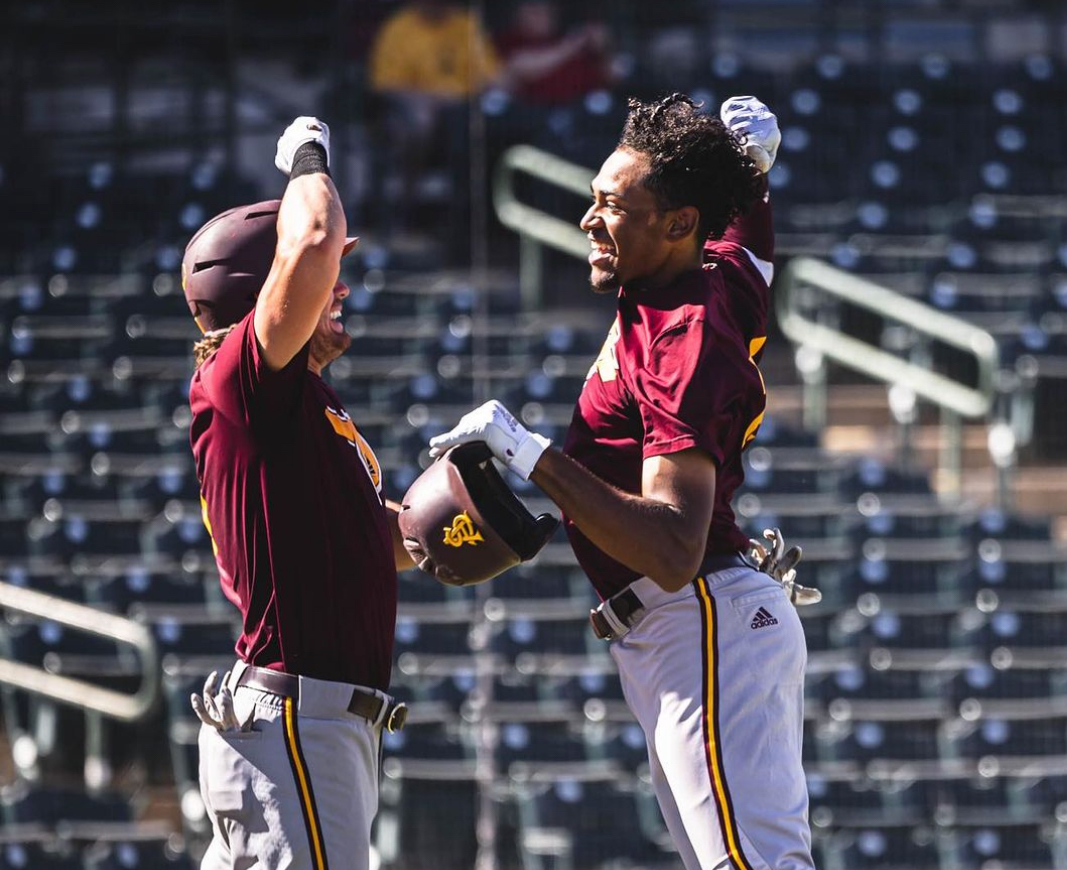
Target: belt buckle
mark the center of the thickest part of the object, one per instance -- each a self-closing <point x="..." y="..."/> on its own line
<point x="397" y="717"/>
<point x="601" y="626"/>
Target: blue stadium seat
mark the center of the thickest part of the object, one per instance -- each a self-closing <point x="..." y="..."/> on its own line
<point x="427" y="823"/>
<point x="51" y="854"/>
<point x="1007" y="737"/>
<point x="867" y="740"/>
<point x="142" y="854"/>
<point x="49" y="806"/>
<point x="534" y="742"/>
<point x="521" y="634"/>
<point x="431" y="638"/>
<point x="1006" y="844"/>
<point x="597" y="822"/>
<point x="883" y="848"/>
<point x="427" y="741"/>
<point x="982" y="680"/>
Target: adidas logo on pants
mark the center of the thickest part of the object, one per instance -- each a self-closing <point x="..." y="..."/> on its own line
<point x="763" y="618"/>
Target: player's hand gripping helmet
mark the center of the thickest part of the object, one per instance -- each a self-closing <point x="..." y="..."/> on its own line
<point x="227" y="261"/>
<point x="462" y="523"/>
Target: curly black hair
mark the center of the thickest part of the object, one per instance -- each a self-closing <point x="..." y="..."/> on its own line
<point x="694" y="160"/>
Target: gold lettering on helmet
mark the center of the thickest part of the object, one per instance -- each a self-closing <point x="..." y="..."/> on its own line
<point x="462" y="531"/>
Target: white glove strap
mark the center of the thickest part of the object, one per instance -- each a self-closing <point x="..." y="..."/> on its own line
<point x="527" y="453"/>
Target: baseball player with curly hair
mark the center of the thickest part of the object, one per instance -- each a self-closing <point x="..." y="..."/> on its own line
<point x="307" y="547"/>
<point x="710" y="651"/>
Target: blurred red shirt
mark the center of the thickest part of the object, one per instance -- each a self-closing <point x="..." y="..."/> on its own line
<point x="569" y="81"/>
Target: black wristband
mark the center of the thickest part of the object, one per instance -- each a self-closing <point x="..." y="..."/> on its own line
<point x="309" y="157"/>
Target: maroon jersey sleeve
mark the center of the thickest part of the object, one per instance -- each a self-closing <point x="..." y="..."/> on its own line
<point x="692" y="392"/>
<point x="753" y="230"/>
<point x="240" y="385"/>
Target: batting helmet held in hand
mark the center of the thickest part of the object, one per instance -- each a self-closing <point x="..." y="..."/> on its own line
<point x="462" y="523"/>
<point x="227" y="261"/>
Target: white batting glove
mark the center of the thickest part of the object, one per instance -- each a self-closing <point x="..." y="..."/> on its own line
<point x="781" y="564"/>
<point x="215" y="708"/>
<point x="303" y="129"/>
<point x="506" y="437"/>
<point x="757" y="125"/>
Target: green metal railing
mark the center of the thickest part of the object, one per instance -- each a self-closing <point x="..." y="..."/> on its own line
<point x="79" y="693"/>
<point x="808" y="321"/>
<point x="536" y="228"/>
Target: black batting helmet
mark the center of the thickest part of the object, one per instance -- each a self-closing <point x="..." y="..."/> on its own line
<point x="227" y="261"/>
<point x="462" y="523"/>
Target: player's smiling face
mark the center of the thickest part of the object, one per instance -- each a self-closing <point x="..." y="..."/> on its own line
<point x="626" y="227"/>
<point x="329" y="340"/>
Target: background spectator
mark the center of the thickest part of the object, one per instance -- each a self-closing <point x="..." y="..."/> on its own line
<point x="426" y="62"/>
<point x="547" y="66"/>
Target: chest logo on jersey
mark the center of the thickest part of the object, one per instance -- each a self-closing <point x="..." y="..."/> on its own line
<point x="342" y="424"/>
<point x="462" y="531"/>
<point x="607" y="364"/>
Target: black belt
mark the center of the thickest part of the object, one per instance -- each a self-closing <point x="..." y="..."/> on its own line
<point x="364" y="702"/>
<point x="626" y="605"/>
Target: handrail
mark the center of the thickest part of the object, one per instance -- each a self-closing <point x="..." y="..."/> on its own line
<point x="534" y="226"/>
<point x="79" y="693"/>
<point x="971" y="402"/>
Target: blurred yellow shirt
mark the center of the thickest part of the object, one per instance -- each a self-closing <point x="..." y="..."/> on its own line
<point x="449" y="58"/>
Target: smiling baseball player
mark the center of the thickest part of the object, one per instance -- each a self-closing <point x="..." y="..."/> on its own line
<point x="307" y="547"/>
<point x="710" y="651"/>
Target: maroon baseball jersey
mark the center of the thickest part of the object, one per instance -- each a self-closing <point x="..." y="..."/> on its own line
<point x="678" y="370"/>
<point x="292" y="497"/>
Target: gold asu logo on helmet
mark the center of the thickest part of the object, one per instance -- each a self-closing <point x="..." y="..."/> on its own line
<point x="462" y="531"/>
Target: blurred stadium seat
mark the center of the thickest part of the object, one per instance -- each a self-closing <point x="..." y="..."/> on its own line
<point x="920" y="149"/>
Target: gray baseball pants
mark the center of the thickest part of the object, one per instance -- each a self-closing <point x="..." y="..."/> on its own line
<point x="714" y="674"/>
<point x="297" y="788"/>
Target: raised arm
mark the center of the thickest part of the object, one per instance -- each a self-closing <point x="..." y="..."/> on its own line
<point x="311" y="237"/>
<point x="754" y="231"/>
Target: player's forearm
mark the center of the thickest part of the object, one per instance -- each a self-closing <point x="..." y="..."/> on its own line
<point x="311" y="235"/>
<point x="311" y="221"/>
<point x="648" y="536"/>
<point x="401" y="557"/>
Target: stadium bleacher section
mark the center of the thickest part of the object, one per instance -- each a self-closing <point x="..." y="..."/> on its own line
<point x="936" y="730"/>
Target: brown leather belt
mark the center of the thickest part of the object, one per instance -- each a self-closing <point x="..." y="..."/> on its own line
<point x="364" y="702"/>
<point x="625" y="605"/>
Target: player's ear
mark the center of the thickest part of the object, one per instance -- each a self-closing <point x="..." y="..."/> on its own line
<point x="683" y="222"/>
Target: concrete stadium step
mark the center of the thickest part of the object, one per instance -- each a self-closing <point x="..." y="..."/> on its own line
<point x="1037" y="490"/>
<point x="927" y="439"/>
<point x="847" y="404"/>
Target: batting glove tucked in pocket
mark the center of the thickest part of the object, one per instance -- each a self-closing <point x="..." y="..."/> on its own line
<point x="215" y="707"/>
<point x="773" y="559"/>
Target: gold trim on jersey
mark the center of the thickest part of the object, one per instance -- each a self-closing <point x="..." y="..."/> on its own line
<point x="342" y="424"/>
<point x="607" y="363"/>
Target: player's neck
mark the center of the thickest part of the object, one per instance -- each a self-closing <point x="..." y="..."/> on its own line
<point x="681" y="262"/>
